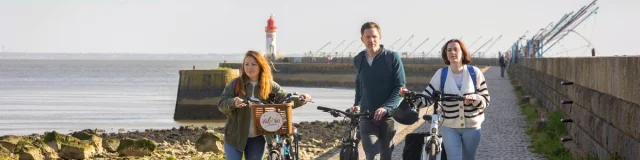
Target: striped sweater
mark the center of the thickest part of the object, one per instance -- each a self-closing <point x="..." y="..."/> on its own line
<point x="455" y="113"/>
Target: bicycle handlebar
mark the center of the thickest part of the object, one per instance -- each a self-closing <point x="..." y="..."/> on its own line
<point x="411" y="95"/>
<point x="344" y="113"/>
<point x="295" y="94"/>
<point x="271" y="98"/>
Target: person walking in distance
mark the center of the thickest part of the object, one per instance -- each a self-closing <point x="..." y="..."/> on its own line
<point x="502" y="62"/>
<point x="380" y="75"/>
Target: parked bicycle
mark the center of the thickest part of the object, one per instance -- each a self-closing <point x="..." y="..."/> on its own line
<point x="351" y="137"/>
<point x="283" y="148"/>
<point x="432" y="148"/>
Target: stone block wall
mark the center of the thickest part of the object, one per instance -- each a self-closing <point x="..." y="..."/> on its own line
<point x="606" y="120"/>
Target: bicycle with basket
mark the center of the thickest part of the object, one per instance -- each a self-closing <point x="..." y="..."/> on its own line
<point x="275" y="120"/>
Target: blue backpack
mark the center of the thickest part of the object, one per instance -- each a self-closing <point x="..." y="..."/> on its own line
<point x="445" y="70"/>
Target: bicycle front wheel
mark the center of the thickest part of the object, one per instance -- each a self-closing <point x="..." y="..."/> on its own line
<point x="429" y="153"/>
<point x="348" y="152"/>
<point x="433" y="153"/>
<point x="274" y="156"/>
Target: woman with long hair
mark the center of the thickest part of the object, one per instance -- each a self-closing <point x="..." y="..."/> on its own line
<point x="255" y="81"/>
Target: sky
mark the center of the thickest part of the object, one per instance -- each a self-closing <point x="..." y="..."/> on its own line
<point x="235" y="26"/>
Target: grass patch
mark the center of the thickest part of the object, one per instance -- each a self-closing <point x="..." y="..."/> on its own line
<point x="546" y="140"/>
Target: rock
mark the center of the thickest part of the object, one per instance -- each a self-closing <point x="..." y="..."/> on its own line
<point x="303" y="154"/>
<point x="10" y="142"/>
<point x="138" y="148"/>
<point x="210" y="141"/>
<point x="111" y="145"/>
<point x="70" y="147"/>
<point x="55" y="140"/>
<point x="88" y="131"/>
<point x="316" y="141"/>
<point x="79" y="150"/>
<point x="8" y="156"/>
<point x="30" y="152"/>
<point x="4" y="150"/>
<point x="98" y="130"/>
<point x="92" y="138"/>
<point x="48" y="152"/>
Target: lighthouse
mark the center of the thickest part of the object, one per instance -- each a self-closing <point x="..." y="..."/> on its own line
<point x="270" y="30"/>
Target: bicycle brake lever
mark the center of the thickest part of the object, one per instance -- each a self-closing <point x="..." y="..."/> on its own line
<point x="334" y="114"/>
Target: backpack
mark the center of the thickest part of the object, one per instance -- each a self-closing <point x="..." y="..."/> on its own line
<point x="445" y="70"/>
<point x="389" y="59"/>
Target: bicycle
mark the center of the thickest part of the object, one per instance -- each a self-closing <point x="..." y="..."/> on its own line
<point x="282" y="149"/>
<point x="432" y="145"/>
<point x="351" y="137"/>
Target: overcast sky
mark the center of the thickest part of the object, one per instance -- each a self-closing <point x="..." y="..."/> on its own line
<point x="224" y="26"/>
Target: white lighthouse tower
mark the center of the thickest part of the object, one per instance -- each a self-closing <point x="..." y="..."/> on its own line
<point x="271" y="39"/>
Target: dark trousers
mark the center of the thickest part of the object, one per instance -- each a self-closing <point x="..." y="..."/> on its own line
<point x="502" y="71"/>
<point x="377" y="137"/>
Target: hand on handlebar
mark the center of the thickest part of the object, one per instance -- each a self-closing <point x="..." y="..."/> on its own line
<point x="468" y="99"/>
<point x="306" y="97"/>
<point x="239" y="102"/>
<point x="354" y="109"/>
<point x="380" y="112"/>
<point x="402" y="91"/>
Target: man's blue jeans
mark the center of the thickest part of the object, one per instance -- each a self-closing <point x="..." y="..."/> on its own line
<point x="253" y="151"/>
<point x="460" y="141"/>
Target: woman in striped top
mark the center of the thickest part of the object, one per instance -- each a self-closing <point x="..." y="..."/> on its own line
<point x="460" y="128"/>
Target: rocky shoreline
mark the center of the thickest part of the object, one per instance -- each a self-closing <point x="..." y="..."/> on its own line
<point x="185" y="142"/>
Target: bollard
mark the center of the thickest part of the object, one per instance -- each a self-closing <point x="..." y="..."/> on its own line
<point x="525" y="99"/>
<point x="566" y="102"/>
<point x="539" y="125"/>
<point x="566" y="83"/>
<point x="566" y="139"/>
<point x="566" y="120"/>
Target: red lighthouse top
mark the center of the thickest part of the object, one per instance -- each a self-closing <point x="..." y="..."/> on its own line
<point x="270" y="24"/>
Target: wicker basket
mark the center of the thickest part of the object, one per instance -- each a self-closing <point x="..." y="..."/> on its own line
<point x="277" y="119"/>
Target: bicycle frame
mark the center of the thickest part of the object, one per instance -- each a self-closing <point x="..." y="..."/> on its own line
<point x="352" y="133"/>
<point x="283" y="148"/>
<point x="432" y="146"/>
<point x="351" y="137"/>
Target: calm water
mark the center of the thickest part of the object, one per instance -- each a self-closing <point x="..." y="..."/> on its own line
<point x="70" y="95"/>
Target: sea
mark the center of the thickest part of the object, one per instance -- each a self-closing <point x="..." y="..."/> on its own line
<point x="66" y="92"/>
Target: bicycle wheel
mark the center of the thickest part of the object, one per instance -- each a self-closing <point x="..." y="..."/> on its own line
<point x="274" y="156"/>
<point x="432" y="154"/>
<point x="348" y="152"/>
<point x="429" y="153"/>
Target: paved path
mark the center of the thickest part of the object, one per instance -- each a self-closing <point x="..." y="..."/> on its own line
<point x="503" y="131"/>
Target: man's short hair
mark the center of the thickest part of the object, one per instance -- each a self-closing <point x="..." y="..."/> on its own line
<point x="369" y="25"/>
